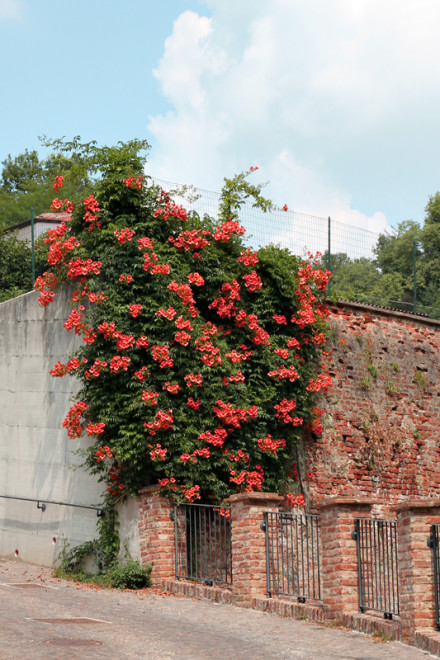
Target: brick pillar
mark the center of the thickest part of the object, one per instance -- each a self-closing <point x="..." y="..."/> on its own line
<point x="339" y="569"/>
<point x="416" y="572"/>
<point x="156" y="532"/>
<point x="249" y="544"/>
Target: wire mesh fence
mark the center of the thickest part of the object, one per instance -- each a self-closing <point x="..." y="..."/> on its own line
<point x="303" y="233"/>
<point x="298" y="232"/>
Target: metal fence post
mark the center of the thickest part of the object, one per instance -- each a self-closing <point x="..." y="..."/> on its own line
<point x="265" y="528"/>
<point x="414" y="278"/>
<point x="329" y="253"/>
<point x="33" y="245"/>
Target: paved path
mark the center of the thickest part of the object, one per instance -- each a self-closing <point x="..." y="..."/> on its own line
<point x="64" y="620"/>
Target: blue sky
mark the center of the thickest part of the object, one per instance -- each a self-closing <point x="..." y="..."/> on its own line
<point x="338" y="103"/>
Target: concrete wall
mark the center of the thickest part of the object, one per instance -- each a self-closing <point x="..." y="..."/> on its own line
<point x="36" y="455"/>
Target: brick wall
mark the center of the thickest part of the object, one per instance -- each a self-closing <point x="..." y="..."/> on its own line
<point x="382" y="415"/>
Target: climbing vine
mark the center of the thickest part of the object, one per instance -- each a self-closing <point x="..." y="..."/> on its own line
<point x="201" y="356"/>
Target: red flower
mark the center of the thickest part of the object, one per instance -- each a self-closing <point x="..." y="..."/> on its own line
<point x="191" y="379"/>
<point x="196" y="279"/>
<point x="135" y="310"/>
<point x="150" y="398"/>
<point x="59" y="180"/>
<point x="224" y="232"/>
<point x="95" y="429"/>
<point x="118" y="363"/>
<point x="253" y="281"/>
<point x="248" y="258"/>
<point x="171" y="388"/>
<point x="56" y="204"/>
<point x="124" y="235"/>
<point x="195" y="405"/>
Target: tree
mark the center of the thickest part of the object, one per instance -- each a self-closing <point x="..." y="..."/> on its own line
<point x="16" y="265"/>
<point x="388" y="279"/>
<point x="27" y="180"/>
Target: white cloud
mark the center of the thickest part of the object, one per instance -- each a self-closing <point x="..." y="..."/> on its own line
<point x="303" y="89"/>
<point x="11" y="10"/>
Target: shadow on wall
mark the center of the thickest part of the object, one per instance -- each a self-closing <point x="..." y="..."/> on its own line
<point x="36" y="455"/>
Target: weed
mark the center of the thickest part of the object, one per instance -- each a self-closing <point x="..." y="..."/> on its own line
<point x="391" y="388"/>
<point x="420" y="380"/>
<point x="130" y="576"/>
<point x="380" y="636"/>
<point x="366" y="383"/>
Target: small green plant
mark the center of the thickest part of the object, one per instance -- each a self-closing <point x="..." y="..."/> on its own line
<point x="380" y="636"/>
<point x="420" y="380"/>
<point x="395" y="367"/>
<point x="417" y="435"/>
<point x="365" y="382"/>
<point x="120" y="576"/>
<point x="71" y="559"/>
<point x="373" y="370"/>
<point x="130" y="576"/>
<point x="391" y="388"/>
<point x="359" y="339"/>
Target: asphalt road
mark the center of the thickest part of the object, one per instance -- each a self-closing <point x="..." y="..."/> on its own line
<point x="43" y="617"/>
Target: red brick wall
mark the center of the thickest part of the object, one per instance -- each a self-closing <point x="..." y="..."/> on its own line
<point x="382" y="421"/>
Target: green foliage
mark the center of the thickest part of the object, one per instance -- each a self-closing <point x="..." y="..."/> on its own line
<point x="27" y="179"/>
<point x="104" y="550"/>
<point x="230" y="302"/>
<point x="16" y="265"/>
<point x="388" y="278"/>
<point x="391" y="388"/>
<point x="366" y="382"/>
<point x="106" y="547"/>
<point x="420" y="379"/>
<point x="130" y="576"/>
<point x="237" y="191"/>
<point x="121" y="576"/>
<point x="71" y="559"/>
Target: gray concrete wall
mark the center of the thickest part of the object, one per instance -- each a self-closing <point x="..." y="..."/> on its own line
<point x="36" y="455"/>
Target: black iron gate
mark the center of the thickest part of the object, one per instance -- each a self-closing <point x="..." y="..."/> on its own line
<point x="293" y="555"/>
<point x="377" y="566"/>
<point x="202" y="537"/>
<point x="433" y="542"/>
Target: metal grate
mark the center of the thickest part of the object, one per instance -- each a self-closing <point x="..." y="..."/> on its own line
<point x="293" y="555"/>
<point x="203" y="543"/>
<point x="377" y="566"/>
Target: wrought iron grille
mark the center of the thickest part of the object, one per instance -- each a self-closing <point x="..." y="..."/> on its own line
<point x="293" y="555"/>
<point x="433" y="543"/>
<point x="202" y="536"/>
<point x="377" y="566"/>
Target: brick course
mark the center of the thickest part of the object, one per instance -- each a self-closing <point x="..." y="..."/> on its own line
<point x="382" y="416"/>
